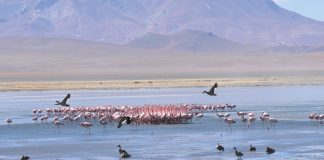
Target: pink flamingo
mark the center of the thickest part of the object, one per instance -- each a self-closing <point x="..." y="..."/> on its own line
<point x="35" y="118"/>
<point x="251" y="114"/>
<point x="199" y="115"/>
<point x="265" y="114"/>
<point x="104" y="124"/>
<point x="229" y="121"/>
<point x="251" y="121"/>
<point x="240" y="114"/>
<point x="272" y="121"/>
<point x="86" y="125"/>
<point x="34" y="111"/>
<point x="244" y="119"/>
<point x="263" y="119"/>
<point x="58" y="123"/>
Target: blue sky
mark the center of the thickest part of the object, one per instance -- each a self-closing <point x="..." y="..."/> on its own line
<point x="308" y="8"/>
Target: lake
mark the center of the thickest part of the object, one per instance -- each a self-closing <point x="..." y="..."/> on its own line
<point x="294" y="137"/>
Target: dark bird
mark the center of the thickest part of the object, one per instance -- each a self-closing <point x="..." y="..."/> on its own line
<point x="238" y="154"/>
<point x="211" y="91"/>
<point x="270" y="150"/>
<point x="220" y="147"/>
<point x="252" y="148"/>
<point x="125" y="119"/>
<point x="24" y="158"/>
<point x="63" y="103"/>
<point x="123" y="153"/>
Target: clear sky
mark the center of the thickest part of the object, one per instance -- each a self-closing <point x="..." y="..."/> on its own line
<point x="308" y="8"/>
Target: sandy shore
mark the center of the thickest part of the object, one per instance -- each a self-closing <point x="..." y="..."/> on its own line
<point x="166" y="83"/>
<point x="68" y="65"/>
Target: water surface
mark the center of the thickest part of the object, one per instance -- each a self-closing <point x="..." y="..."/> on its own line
<point x="295" y="137"/>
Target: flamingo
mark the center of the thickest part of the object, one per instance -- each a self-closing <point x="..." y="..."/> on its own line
<point x="220" y="115"/>
<point x="321" y="117"/>
<point x="226" y="115"/>
<point x="77" y="118"/>
<point x="244" y="119"/>
<point x="231" y="106"/>
<point x="265" y="114"/>
<point x="86" y="125"/>
<point x="263" y="119"/>
<point x="58" y="123"/>
<point x="272" y="121"/>
<point x="251" y="121"/>
<point x="240" y="114"/>
<point x="199" y="115"/>
<point x="229" y="121"/>
<point x="35" y="118"/>
<point x="104" y="124"/>
<point x="34" y="111"/>
<point x="251" y="114"/>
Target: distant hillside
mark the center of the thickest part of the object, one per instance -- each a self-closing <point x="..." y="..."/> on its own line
<point x="24" y="59"/>
<point x="189" y="40"/>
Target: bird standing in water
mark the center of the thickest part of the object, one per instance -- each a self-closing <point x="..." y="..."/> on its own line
<point x="63" y="103"/>
<point x="123" y="153"/>
<point x="211" y="92"/>
<point x="252" y="148"/>
<point x="220" y="147"/>
<point x="9" y="121"/>
<point x="238" y="154"/>
<point x="24" y="158"/>
<point x="270" y="150"/>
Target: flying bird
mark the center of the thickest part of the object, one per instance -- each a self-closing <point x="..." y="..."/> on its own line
<point x="125" y="119"/>
<point x="211" y="92"/>
<point x="63" y="103"/>
<point x="123" y="153"/>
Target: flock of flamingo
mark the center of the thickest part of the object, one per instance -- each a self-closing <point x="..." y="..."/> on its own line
<point x="137" y="115"/>
<point x="141" y="115"/>
<point x="145" y="115"/>
<point x="318" y="118"/>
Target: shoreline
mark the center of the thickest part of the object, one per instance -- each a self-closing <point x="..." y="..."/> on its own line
<point x="160" y="83"/>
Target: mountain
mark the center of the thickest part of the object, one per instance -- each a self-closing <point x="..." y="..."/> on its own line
<point x="289" y="49"/>
<point x="259" y="22"/>
<point x="188" y="40"/>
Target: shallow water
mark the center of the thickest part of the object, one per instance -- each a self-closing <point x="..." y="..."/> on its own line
<point x="295" y="137"/>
